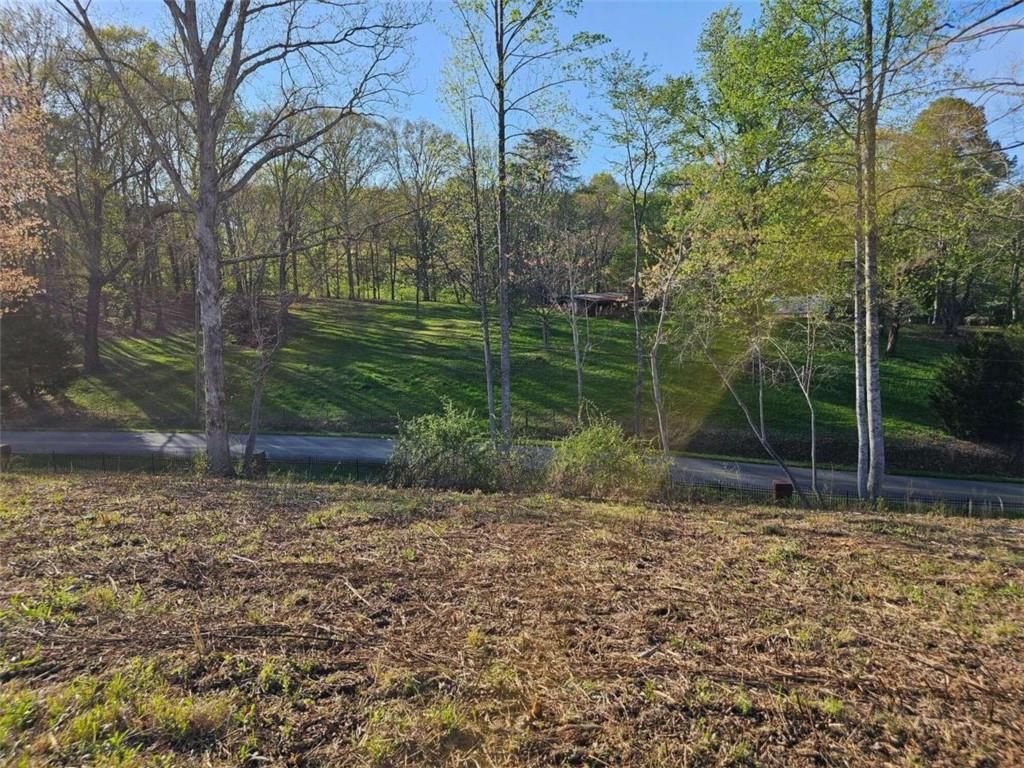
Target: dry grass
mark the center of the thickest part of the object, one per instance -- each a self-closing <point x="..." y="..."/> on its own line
<point x="165" y="621"/>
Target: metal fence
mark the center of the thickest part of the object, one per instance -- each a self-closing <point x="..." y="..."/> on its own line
<point x="346" y="471"/>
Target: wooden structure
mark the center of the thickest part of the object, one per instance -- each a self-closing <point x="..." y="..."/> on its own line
<point x="596" y="304"/>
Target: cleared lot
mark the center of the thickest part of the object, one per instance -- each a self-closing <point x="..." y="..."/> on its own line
<point x="147" y="619"/>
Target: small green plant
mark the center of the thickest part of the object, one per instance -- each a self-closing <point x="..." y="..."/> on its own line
<point x="19" y="710"/>
<point x="599" y="460"/>
<point x="273" y="679"/>
<point x="741" y="703"/>
<point x="830" y="706"/>
<point x="200" y="463"/>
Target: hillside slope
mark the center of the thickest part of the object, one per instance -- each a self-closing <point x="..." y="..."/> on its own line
<point x="358" y="367"/>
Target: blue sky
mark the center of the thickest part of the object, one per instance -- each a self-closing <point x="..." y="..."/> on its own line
<point x="666" y="31"/>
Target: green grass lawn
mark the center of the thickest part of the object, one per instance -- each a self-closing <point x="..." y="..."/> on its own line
<point x="355" y="367"/>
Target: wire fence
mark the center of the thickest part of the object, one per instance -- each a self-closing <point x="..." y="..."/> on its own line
<point x="969" y="506"/>
<point x="363" y="471"/>
<point x="314" y="469"/>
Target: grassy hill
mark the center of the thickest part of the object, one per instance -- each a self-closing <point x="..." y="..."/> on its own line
<point x="160" y="621"/>
<point x="358" y="367"/>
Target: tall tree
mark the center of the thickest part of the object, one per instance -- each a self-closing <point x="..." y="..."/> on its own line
<point x="873" y="55"/>
<point x="507" y="50"/>
<point x="105" y="159"/>
<point x="421" y="156"/>
<point x="638" y="126"/>
<point x="325" y="55"/>
<point x="480" y="263"/>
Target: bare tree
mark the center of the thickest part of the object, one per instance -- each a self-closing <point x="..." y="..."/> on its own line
<point x="506" y="46"/>
<point x="799" y="354"/>
<point x="480" y="271"/>
<point x="351" y="153"/>
<point x="639" y="128"/>
<point x="331" y="56"/>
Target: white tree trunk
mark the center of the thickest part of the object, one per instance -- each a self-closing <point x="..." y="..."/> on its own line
<point x="872" y="382"/>
<point x="863" y="454"/>
<point x="218" y="447"/>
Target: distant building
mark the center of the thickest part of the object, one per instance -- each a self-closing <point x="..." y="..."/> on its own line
<point x="596" y="304"/>
<point x="800" y="306"/>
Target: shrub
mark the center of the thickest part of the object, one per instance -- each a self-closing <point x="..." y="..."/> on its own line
<point x="600" y="460"/>
<point x="979" y="391"/>
<point x="238" y="319"/>
<point x="450" y="449"/>
<point x="35" y="355"/>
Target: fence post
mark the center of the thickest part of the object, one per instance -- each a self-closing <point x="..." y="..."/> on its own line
<point x="103" y="461"/>
<point x="152" y="463"/>
<point x="357" y="470"/>
<point x="53" y="461"/>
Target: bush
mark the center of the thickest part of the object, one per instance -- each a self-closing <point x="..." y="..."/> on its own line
<point x="979" y="392"/>
<point x="35" y="353"/>
<point x="600" y="460"/>
<point x="450" y="449"/>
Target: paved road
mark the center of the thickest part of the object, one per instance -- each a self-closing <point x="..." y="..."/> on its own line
<point x="373" y="449"/>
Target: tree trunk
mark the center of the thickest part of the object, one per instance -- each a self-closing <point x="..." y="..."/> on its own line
<point x="392" y="269"/>
<point x="637" y="333"/>
<point x="175" y="269"/>
<point x="92" y="323"/>
<point x="481" y="271"/>
<point x="659" y="403"/>
<point x="504" y="316"/>
<point x="872" y="382"/>
<point x="53" y="261"/>
<point x="254" y="418"/>
<point x="814" y="445"/>
<point x="351" y="271"/>
<point x="138" y="288"/>
<point x="158" y="288"/>
<point x="893" y="336"/>
<point x="860" y="401"/>
<point x="576" y="352"/>
<point x="218" y="449"/>
<point x="1013" y="299"/>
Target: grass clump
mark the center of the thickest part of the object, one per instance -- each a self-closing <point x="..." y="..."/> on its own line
<point x="600" y="460"/>
<point x="113" y="717"/>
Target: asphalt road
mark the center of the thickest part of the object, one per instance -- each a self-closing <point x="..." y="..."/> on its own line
<point x="373" y="449"/>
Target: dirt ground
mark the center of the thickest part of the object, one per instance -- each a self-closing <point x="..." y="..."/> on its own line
<point x="179" y="621"/>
